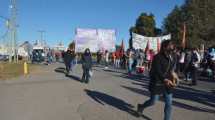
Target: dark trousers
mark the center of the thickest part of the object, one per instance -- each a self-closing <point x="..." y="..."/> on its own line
<point x="68" y="67"/>
<point x="181" y="67"/>
<point x="194" y="75"/>
<point x="86" y="75"/>
<point x="187" y="72"/>
<point x="99" y="60"/>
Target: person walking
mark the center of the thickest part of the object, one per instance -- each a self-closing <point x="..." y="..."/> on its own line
<point x="160" y="80"/>
<point x="195" y="60"/>
<point x="69" y="56"/>
<point x="124" y="60"/>
<point x="99" y="57"/>
<point x="113" y="59"/>
<point x="141" y="57"/>
<point x="49" y="57"/>
<point x="150" y="58"/>
<point x="106" y="59"/>
<point x="86" y="60"/>
<point x="117" y="65"/>
<point x="130" y="61"/>
<point x="181" y="61"/>
<point x="187" y="65"/>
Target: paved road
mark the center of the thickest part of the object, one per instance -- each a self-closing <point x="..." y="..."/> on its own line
<point x="110" y="95"/>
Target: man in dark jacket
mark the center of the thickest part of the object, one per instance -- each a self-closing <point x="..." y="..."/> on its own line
<point x="195" y="63"/>
<point x="68" y="56"/>
<point x="187" y="65"/>
<point x="99" y="57"/>
<point x="160" y="79"/>
<point x="86" y="65"/>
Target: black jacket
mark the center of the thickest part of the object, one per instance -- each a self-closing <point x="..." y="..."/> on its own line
<point x="68" y="57"/>
<point x="86" y="60"/>
<point x="162" y="66"/>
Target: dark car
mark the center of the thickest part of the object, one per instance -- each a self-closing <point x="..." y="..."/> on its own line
<point x="37" y="56"/>
<point x="4" y="57"/>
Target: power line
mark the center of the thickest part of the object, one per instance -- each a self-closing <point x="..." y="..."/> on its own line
<point x="13" y="31"/>
<point x="42" y="34"/>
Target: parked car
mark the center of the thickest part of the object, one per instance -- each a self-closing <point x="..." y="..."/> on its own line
<point x="38" y="56"/>
<point x="4" y="57"/>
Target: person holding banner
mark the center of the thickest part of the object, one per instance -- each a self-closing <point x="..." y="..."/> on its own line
<point x="149" y="57"/>
<point x="161" y="79"/>
<point x="141" y="57"/>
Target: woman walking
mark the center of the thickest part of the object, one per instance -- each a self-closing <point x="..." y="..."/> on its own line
<point x="86" y="65"/>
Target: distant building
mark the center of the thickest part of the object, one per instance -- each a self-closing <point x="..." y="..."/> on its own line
<point x="59" y="47"/>
<point x="3" y="49"/>
<point x="39" y="45"/>
<point x="25" y="49"/>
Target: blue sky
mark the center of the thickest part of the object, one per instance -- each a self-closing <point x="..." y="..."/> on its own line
<point x="59" y="18"/>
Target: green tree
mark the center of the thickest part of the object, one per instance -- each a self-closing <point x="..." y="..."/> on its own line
<point x="199" y="18"/>
<point x="145" y="25"/>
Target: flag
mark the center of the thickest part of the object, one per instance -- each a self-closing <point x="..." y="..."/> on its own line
<point x="183" y="43"/>
<point x="158" y="45"/>
<point x="147" y="47"/>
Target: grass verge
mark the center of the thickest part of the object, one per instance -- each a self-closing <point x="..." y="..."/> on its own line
<point x="11" y="70"/>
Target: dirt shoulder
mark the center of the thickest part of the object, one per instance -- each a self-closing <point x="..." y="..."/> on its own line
<point x="12" y="70"/>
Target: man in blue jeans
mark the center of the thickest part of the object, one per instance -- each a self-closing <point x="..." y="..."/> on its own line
<point x="161" y="79"/>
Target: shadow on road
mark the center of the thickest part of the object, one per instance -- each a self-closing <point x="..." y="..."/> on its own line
<point x="62" y="70"/>
<point x="201" y="98"/>
<point x="113" y="71"/>
<point x="78" y="79"/>
<point x="181" y="92"/>
<point x="206" y="79"/>
<point x="213" y="91"/>
<point x="103" y="99"/>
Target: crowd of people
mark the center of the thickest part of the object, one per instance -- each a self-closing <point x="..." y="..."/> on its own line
<point x="129" y="59"/>
<point x="189" y="63"/>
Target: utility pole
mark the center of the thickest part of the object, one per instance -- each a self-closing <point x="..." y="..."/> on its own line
<point x="42" y="40"/>
<point x="13" y="32"/>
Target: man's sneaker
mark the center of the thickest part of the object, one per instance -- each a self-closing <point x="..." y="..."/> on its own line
<point x="139" y="109"/>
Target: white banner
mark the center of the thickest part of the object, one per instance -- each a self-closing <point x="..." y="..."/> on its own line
<point x="153" y="44"/>
<point x="107" y="39"/>
<point x="101" y="39"/>
<point x="140" y="42"/>
<point x="86" y="38"/>
<point x="86" y="32"/>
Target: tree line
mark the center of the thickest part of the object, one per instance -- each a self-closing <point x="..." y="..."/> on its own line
<point x="197" y="15"/>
